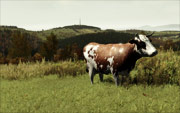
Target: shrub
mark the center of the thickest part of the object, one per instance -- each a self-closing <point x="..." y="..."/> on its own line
<point x="161" y="69"/>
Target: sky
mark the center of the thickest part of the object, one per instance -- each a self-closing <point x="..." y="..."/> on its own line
<point x="106" y="14"/>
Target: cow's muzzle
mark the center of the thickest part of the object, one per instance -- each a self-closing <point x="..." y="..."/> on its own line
<point x="154" y="53"/>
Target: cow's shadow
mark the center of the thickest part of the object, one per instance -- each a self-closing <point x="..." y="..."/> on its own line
<point x="109" y="80"/>
<point x="123" y="82"/>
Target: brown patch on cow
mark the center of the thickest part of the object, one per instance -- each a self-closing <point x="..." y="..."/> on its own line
<point x="103" y="53"/>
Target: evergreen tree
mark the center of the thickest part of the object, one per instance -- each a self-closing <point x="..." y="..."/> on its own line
<point x="20" y="46"/>
<point x="49" y="47"/>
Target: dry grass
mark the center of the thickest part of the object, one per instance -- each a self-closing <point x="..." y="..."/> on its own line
<point x="40" y="69"/>
<point x="161" y="69"/>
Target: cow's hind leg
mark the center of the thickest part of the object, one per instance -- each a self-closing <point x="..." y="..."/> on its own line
<point x="91" y="74"/>
<point x="101" y="77"/>
<point x="87" y="69"/>
<point x="116" y="78"/>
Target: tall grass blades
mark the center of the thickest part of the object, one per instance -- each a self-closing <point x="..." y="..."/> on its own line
<point x="164" y="68"/>
<point x="39" y="69"/>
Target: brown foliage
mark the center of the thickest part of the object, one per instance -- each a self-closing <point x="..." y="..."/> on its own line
<point x="37" y="57"/>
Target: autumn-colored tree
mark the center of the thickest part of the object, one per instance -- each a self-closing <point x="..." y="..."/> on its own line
<point x="76" y="52"/>
<point x="49" y="47"/>
<point x="72" y="52"/>
<point x="20" y="46"/>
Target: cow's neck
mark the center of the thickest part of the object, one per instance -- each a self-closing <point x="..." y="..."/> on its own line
<point x="136" y="53"/>
<point x="131" y="60"/>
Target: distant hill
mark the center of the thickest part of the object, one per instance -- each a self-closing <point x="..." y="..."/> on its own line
<point x="60" y="32"/>
<point x="76" y="34"/>
<point x="69" y="31"/>
<point x="170" y="27"/>
<point x="82" y="27"/>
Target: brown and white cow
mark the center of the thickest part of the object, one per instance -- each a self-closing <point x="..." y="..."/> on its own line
<point x="117" y="58"/>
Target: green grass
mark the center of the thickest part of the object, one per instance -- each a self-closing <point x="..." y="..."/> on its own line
<point x="76" y="94"/>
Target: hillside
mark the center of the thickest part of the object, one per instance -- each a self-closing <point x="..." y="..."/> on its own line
<point x="79" y="36"/>
<point x="170" y="27"/>
<point x="100" y="37"/>
<point x="69" y="31"/>
<point x="60" y="32"/>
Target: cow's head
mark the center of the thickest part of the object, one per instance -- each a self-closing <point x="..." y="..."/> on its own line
<point x="143" y="45"/>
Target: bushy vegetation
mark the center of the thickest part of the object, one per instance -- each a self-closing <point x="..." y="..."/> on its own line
<point x="164" y="68"/>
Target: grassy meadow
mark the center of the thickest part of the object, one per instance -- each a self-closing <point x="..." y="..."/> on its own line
<point x="64" y="87"/>
<point x="68" y="94"/>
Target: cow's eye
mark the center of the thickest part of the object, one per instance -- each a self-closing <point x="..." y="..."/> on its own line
<point x="143" y="45"/>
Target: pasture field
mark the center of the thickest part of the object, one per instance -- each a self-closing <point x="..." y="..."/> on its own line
<point x="51" y="94"/>
<point x="64" y="87"/>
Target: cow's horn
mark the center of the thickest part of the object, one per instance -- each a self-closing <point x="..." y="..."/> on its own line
<point x="150" y="35"/>
<point x="137" y="35"/>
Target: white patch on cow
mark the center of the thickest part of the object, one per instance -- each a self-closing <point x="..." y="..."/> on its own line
<point x="105" y="58"/>
<point x="113" y="48"/>
<point x="92" y="52"/>
<point x="111" y="69"/>
<point x="143" y="38"/>
<point x="135" y="48"/>
<point x="91" y="60"/>
<point x="95" y="47"/>
<point x="137" y="39"/>
<point x="111" y="60"/>
<point x="121" y="50"/>
<point x="101" y="66"/>
<point x="86" y="52"/>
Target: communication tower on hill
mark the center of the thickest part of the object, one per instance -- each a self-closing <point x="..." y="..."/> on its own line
<point x="80" y="21"/>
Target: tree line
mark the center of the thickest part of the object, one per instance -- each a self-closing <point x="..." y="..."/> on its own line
<point x="18" y="46"/>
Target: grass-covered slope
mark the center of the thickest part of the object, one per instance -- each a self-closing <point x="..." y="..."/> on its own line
<point x="68" y="95"/>
<point x="60" y="32"/>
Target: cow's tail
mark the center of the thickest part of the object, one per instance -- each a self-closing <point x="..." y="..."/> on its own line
<point x="87" y="70"/>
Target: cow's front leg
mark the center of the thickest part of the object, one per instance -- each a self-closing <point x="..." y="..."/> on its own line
<point x="91" y="74"/>
<point x="124" y="75"/>
<point x="116" y="78"/>
<point x="101" y="77"/>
